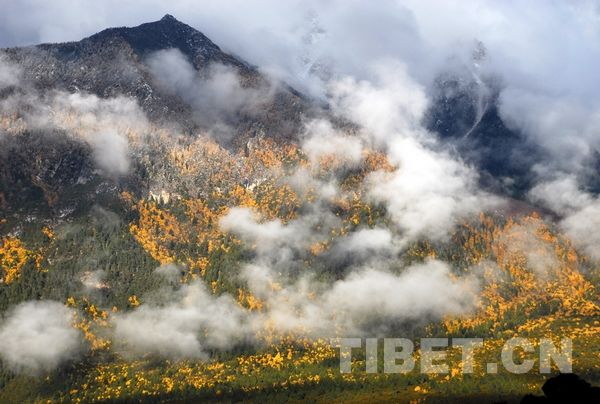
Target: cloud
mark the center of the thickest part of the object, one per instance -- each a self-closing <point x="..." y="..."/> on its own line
<point x="369" y="240"/>
<point x="431" y="190"/>
<point x="278" y="245"/>
<point x="322" y="140"/>
<point x="9" y="73"/>
<point x="526" y="240"/>
<point x="372" y="298"/>
<point x="429" y="193"/>
<point x="563" y="125"/>
<point x="366" y="302"/>
<point x="578" y="210"/>
<point x="104" y="124"/>
<point x="38" y="336"/>
<point x="104" y="218"/>
<point x="216" y="95"/>
<point x="186" y="327"/>
<point x="389" y="105"/>
<point x="94" y="280"/>
<point x="267" y="236"/>
<point x="192" y="321"/>
<point x="581" y="227"/>
<point x="369" y="296"/>
<point x="561" y="195"/>
<point x="170" y="272"/>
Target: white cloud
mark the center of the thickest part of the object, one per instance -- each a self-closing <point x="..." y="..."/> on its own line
<point x="38" y="336"/>
<point x="369" y="240"/>
<point x="104" y="124"/>
<point x="186" y="327"/>
<point x="366" y="302"/>
<point x="323" y="140"/>
<point x="9" y="73"/>
<point x="216" y="96"/>
<point x="579" y="210"/>
<point x="431" y="190"/>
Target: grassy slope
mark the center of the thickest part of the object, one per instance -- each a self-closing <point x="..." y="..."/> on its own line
<point x="226" y="380"/>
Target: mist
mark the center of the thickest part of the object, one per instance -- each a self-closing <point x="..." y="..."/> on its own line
<point x="104" y="124"/>
<point x="216" y="95"/>
<point x="38" y="336"/>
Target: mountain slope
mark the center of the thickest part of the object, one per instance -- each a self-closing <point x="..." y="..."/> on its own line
<point x="120" y="64"/>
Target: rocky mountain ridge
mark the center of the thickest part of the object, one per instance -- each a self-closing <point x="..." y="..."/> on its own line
<point x="115" y="62"/>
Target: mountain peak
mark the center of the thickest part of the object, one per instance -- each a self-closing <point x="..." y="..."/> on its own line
<point x="169" y="17"/>
<point x="166" y="33"/>
<point x="116" y="60"/>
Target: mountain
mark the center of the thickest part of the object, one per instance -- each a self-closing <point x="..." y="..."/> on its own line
<point x="48" y="168"/>
<point x="464" y="113"/>
<point x="116" y="62"/>
<point x="122" y="62"/>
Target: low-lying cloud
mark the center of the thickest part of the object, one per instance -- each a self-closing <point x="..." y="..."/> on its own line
<point x="368" y="302"/>
<point x="216" y="95"/>
<point x="38" y="336"/>
<point x="104" y="124"/>
<point x="579" y="211"/>
<point x="192" y="323"/>
<point x="9" y="74"/>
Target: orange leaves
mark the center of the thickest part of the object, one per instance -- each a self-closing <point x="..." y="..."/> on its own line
<point x="48" y="232"/>
<point x="254" y="364"/>
<point x="267" y="153"/>
<point x="277" y="201"/>
<point x="89" y="320"/>
<point x="133" y="301"/>
<point x="128" y="198"/>
<point x="204" y="223"/>
<point x="318" y="248"/>
<point x="526" y="266"/>
<point x="155" y="230"/>
<point x="241" y="196"/>
<point x="169" y="238"/>
<point x="13" y="256"/>
<point x="199" y="265"/>
<point x="245" y="299"/>
<point x="376" y="160"/>
<point x="201" y="154"/>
